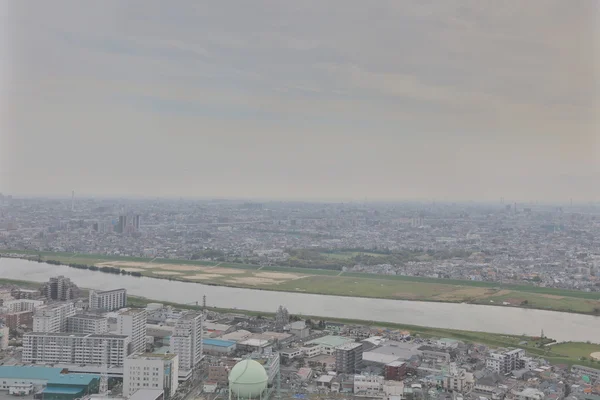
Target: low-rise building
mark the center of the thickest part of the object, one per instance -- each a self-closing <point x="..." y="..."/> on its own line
<point x="368" y="385"/>
<point x="151" y="371"/>
<point x="218" y="347"/>
<point x="592" y="373"/>
<point x="54" y="383"/>
<point x="395" y="371"/>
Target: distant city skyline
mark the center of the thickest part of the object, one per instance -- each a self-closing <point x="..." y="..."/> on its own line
<point x="453" y="101"/>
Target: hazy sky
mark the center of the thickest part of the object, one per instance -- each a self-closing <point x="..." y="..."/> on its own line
<point x="394" y="99"/>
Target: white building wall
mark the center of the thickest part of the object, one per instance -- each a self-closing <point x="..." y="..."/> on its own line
<point x="108" y="300"/>
<point x="52" y="318"/>
<point x="150" y="373"/>
<point x="74" y="349"/>
<point x="133" y="324"/>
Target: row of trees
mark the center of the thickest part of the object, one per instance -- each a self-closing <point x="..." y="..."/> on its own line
<point x="110" y="270"/>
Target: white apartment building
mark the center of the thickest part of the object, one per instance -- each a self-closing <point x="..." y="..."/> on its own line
<point x="52" y="317"/>
<point x="151" y="371"/>
<point x="132" y="322"/>
<point x="186" y="341"/>
<point x="87" y="324"/>
<point x="69" y="348"/>
<point x="368" y="385"/>
<point x="13" y="306"/>
<point x="505" y="361"/>
<point x="108" y="300"/>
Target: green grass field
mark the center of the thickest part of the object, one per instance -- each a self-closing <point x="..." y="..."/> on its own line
<point x="323" y="281"/>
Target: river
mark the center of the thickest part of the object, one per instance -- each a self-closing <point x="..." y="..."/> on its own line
<point x="496" y="319"/>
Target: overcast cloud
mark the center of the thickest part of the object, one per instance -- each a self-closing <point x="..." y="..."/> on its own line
<point x="315" y="99"/>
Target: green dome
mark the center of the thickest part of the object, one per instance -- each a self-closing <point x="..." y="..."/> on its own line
<point x="247" y="380"/>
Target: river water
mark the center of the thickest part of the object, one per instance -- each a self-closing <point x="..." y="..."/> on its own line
<point x="557" y="325"/>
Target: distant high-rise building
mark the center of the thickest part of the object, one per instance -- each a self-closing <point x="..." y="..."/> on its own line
<point x="186" y="340"/>
<point x="136" y="222"/>
<point x="59" y="288"/>
<point x="108" y="300"/>
<point x="122" y="224"/>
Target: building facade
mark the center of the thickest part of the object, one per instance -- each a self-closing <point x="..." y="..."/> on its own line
<point x="69" y="348"/>
<point x="108" y="300"/>
<point x="53" y="317"/>
<point x="132" y="322"/>
<point x="14" y="306"/>
<point x="151" y="371"/>
<point x="348" y="358"/>
<point x="18" y="319"/>
<point x="60" y="288"/>
<point x="87" y="324"/>
<point x="505" y="361"/>
<point x="187" y="340"/>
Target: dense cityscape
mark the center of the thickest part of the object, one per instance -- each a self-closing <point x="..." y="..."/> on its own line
<point x="59" y="341"/>
<point x="545" y="245"/>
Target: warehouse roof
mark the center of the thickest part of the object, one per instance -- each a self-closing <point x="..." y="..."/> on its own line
<point x="51" y="375"/>
<point x="218" y="343"/>
<point x="331" y="341"/>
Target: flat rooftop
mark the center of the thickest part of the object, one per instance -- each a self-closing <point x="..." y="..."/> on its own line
<point x="80" y="335"/>
<point x="109" y="291"/>
<point x="152" y="356"/>
<point x="218" y="343"/>
<point x="49" y="374"/>
<point x="331" y="340"/>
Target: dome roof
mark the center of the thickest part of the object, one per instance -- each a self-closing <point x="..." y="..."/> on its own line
<point x="247" y="379"/>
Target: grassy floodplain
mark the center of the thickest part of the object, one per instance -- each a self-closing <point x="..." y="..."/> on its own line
<point x="322" y="281"/>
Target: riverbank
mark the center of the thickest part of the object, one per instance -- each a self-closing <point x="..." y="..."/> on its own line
<point x="569" y="353"/>
<point x="336" y="283"/>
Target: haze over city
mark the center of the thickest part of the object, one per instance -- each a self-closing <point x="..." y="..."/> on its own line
<point x="453" y="100"/>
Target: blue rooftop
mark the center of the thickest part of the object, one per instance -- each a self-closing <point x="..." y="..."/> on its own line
<point x="61" y="390"/>
<point x="217" y="342"/>
<point x="53" y="376"/>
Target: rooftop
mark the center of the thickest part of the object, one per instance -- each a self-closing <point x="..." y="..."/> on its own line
<point x="217" y="342"/>
<point x="51" y="375"/>
<point x="331" y="340"/>
<point x="152" y="356"/>
<point x="349" y="346"/>
<point x="80" y="335"/>
<point x="110" y="291"/>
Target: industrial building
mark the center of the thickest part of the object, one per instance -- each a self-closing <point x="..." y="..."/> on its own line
<point x="53" y="383"/>
<point x="108" y="300"/>
<point x="218" y="347"/>
<point x="151" y="371"/>
<point x="348" y="358"/>
<point x="69" y="348"/>
<point x="248" y="380"/>
<point x="329" y="343"/>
